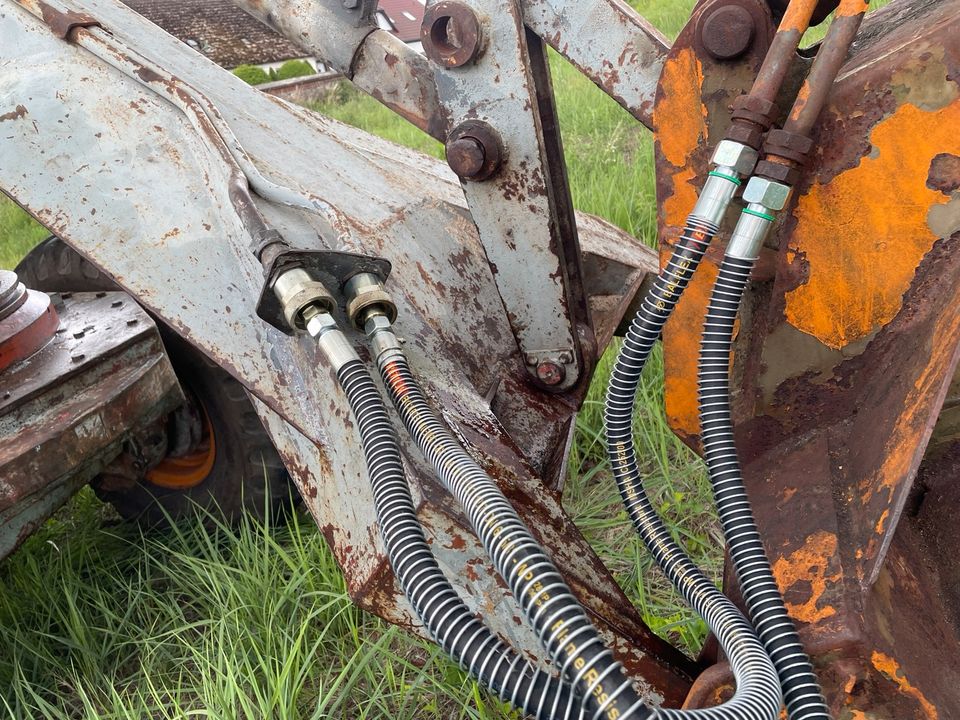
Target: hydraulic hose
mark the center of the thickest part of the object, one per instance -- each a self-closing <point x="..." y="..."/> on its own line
<point x="758" y="688"/>
<point x="765" y="606"/>
<point x="544" y="597"/>
<point x="555" y="614"/>
<point x="447" y="618"/>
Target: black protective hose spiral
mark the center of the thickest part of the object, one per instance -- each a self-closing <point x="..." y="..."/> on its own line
<point x="446" y="617"/>
<point x="557" y="617"/>
<point x="761" y="595"/>
<point x="758" y="690"/>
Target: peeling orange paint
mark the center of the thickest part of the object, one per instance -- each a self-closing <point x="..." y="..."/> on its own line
<point x="797" y="17"/>
<point x="891" y="668"/>
<point x="862" y="256"/>
<point x="852" y="7"/>
<point x="882" y="521"/>
<point x="685" y="327"/>
<point x="680" y="131"/>
<point x="809" y="564"/>
<point x="684" y="196"/>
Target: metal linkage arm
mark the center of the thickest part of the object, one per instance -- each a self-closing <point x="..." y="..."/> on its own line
<point x="487" y="95"/>
<point x="609" y="42"/>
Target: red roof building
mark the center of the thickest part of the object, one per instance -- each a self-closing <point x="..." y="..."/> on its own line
<point x="403" y="18"/>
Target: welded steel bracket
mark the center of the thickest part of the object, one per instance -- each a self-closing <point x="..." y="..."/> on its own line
<point x="330" y="267"/>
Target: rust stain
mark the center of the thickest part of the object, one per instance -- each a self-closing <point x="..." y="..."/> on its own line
<point x="891" y="668"/>
<point x="14" y="114"/>
<point x="809" y="564"/>
<point x="903" y="449"/>
<point x="856" y="280"/>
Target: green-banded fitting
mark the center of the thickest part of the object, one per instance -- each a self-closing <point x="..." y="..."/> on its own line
<point x="752" y="228"/>
<point x="716" y="195"/>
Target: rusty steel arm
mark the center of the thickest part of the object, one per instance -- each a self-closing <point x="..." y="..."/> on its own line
<point x="606" y="39"/>
<point x="609" y="42"/>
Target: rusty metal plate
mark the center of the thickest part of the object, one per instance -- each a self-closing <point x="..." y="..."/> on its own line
<point x="846" y="350"/>
<point x="66" y="410"/>
<point x="119" y="173"/>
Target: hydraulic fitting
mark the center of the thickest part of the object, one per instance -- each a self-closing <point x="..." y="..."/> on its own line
<point x="752" y="228"/>
<point x="730" y="160"/>
<point x="365" y="294"/>
<point x="771" y="194"/>
<point x="332" y="342"/>
<point x="296" y="291"/>
<point x="741" y="158"/>
<point x="716" y="195"/>
<point x="383" y="340"/>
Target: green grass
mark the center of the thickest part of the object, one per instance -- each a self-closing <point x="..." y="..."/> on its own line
<point x="100" y="621"/>
<point x="18" y="233"/>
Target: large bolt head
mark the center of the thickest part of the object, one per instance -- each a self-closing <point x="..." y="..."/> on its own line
<point x="474" y="150"/>
<point x="727" y="32"/>
<point x="738" y="156"/>
<point x="769" y="193"/>
<point x="466" y="157"/>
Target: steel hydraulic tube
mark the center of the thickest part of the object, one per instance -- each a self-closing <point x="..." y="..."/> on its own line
<point x="766" y="194"/>
<point x="447" y="618"/>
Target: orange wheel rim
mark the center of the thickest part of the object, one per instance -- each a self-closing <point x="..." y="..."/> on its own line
<point x="182" y="473"/>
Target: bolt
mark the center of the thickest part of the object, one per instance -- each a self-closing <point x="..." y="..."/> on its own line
<point x="131" y="322"/>
<point x="451" y="34"/>
<point x="101" y="294"/>
<point x="116" y="303"/>
<point x="474" y="150"/>
<point x="77" y="357"/>
<point x="79" y="334"/>
<point x="727" y="32"/>
<point x="550" y="373"/>
<point x="466" y="157"/>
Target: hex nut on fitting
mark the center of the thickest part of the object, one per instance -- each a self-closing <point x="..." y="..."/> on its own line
<point x="364" y="291"/>
<point x="738" y="156"/>
<point x="296" y="290"/>
<point x="772" y="195"/>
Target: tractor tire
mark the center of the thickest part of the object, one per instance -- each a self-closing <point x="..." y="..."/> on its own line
<point x="231" y="468"/>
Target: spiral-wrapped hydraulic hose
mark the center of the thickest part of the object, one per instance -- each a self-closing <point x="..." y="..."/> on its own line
<point x="758" y="689"/>
<point x="546" y="600"/>
<point x="447" y="618"/>
<point x="761" y="594"/>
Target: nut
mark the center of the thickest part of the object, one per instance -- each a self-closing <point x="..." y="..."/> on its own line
<point x="451" y="34"/>
<point x="738" y="156"/>
<point x="550" y="373"/>
<point x="296" y="290"/>
<point x="364" y="291"/>
<point x="772" y="195"/>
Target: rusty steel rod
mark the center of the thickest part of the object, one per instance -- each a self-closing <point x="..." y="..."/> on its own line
<point x="833" y="52"/>
<point x="782" y="49"/>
